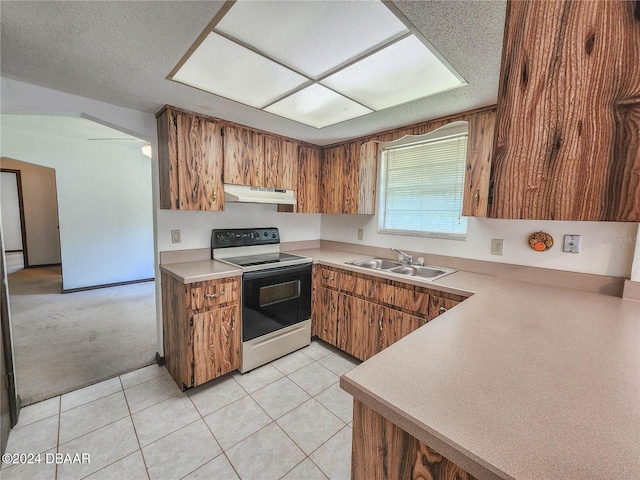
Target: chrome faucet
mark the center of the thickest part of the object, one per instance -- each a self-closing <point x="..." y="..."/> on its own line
<point x="409" y="257"/>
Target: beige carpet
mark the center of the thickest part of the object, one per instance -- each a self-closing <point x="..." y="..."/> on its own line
<point x="66" y="341"/>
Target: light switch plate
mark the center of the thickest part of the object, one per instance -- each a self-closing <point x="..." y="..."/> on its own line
<point x="175" y="236"/>
<point x="571" y="244"/>
<point x="360" y="234"/>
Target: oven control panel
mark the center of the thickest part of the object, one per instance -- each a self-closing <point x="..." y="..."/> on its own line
<point x="242" y="237"/>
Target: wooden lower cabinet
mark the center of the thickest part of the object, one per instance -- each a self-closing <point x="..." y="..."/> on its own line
<point x="326" y="315"/>
<point x="201" y="327"/>
<point x="363" y="314"/>
<point x="383" y="451"/>
<point x="216" y="346"/>
<point x="357" y="327"/>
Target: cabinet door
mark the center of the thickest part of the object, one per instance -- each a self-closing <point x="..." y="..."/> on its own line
<point x="398" y="325"/>
<point x="357" y="327"/>
<point x="332" y="180"/>
<point x="350" y="162"/>
<point x="216" y="343"/>
<point x="439" y="305"/>
<point x="568" y="116"/>
<point x="308" y="188"/>
<point x="190" y="162"/>
<point x="280" y="163"/>
<point x="327" y="305"/>
<point x="243" y="157"/>
<point x="479" y="157"/>
<point x="367" y="178"/>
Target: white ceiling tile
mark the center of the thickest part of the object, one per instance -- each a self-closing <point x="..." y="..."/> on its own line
<point x="318" y="107"/>
<point x="399" y="73"/>
<point x="225" y="68"/>
<point x="311" y="37"/>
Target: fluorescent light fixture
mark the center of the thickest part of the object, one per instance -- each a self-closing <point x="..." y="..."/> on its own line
<point x="225" y="68"/>
<point x="318" y="107"/>
<point x="399" y="73"/>
<point x="312" y="38"/>
<point x="317" y="63"/>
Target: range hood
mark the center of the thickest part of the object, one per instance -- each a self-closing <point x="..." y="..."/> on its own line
<point x="247" y="194"/>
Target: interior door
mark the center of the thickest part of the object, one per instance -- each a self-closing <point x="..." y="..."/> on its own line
<point x="8" y="399"/>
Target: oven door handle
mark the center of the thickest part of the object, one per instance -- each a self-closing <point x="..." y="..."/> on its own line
<point x="270" y="272"/>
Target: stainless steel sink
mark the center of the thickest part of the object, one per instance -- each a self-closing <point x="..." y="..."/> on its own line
<point x="428" y="273"/>
<point x="375" y="263"/>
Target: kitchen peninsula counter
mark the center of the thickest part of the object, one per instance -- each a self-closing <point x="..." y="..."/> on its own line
<point x="521" y="380"/>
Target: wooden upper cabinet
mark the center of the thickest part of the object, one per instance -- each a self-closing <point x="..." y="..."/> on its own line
<point x="308" y="188"/>
<point x="280" y="163"/>
<point x="348" y="178"/>
<point x="568" y="140"/>
<point x="190" y="162"/>
<point x="478" y="167"/>
<point x="243" y="157"/>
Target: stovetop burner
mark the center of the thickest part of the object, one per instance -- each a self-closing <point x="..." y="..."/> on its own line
<point x="252" y="249"/>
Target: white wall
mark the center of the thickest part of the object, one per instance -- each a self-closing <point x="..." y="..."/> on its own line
<point x="196" y="226"/>
<point x="10" y="211"/>
<point x="104" y="204"/>
<point x="607" y="247"/>
<point x="40" y="203"/>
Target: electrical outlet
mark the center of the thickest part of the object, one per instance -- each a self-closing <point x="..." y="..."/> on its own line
<point x="175" y="236"/>
<point x="360" y="234"/>
<point x="496" y="246"/>
<point x="571" y="244"/>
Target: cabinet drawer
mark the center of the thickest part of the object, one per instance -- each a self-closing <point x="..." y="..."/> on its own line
<point x="211" y="295"/>
<point x="328" y="278"/>
<point x="367" y="288"/>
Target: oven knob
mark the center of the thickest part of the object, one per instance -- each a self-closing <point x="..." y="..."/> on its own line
<point x="266" y="234"/>
<point x="273" y="236"/>
<point x="256" y="235"/>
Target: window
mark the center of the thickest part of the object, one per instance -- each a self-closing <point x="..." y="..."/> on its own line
<point x="423" y="183"/>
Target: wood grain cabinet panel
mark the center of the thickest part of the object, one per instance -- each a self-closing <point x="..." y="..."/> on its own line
<point x="307" y="184"/>
<point x="478" y="165"/>
<point x="383" y="451"/>
<point x="439" y="305"/>
<point x="568" y="136"/>
<point x="243" y="157"/>
<point x="280" y="163"/>
<point x="216" y="344"/>
<point x="190" y="162"/>
<point x="357" y="327"/>
<point x="201" y="329"/>
<point x="327" y="315"/>
<point x="348" y="178"/>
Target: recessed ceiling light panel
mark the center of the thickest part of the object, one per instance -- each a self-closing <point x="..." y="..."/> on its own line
<point x="312" y="38"/>
<point x="224" y="68"/>
<point x="318" y="107"/>
<point x="399" y="73"/>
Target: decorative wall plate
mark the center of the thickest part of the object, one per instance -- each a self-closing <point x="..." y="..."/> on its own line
<point x="540" y="241"/>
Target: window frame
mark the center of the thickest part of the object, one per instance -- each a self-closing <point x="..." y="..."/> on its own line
<point x="451" y="130"/>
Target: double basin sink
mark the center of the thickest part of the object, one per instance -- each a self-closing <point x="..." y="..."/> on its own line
<point x="428" y="273"/>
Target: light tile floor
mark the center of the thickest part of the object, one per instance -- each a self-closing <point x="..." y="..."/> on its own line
<point x="288" y="419"/>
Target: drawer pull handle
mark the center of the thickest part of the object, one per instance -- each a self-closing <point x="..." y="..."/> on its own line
<point x="327" y="277"/>
<point x="213" y="295"/>
<point x="443" y="309"/>
<point x="380" y="321"/>
<point x="233" y="322"/>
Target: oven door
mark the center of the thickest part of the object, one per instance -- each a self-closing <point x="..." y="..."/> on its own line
<point x="275" y="298"/>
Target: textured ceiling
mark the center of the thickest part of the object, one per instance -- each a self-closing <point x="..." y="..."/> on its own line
<point x="122" y="52"/>
<point x="70" y="126"/>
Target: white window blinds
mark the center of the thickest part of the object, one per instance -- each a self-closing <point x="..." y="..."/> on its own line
<point x="423" y="185"/>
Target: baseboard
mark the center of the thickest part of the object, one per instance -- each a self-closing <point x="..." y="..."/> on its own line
<point x="107" y="285"/>
<point x="45" y="265"/>
<point x="159" y="359"/>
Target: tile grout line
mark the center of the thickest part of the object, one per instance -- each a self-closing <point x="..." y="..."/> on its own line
<point x="58" y="439"/>
<point x="135" y="431"/>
